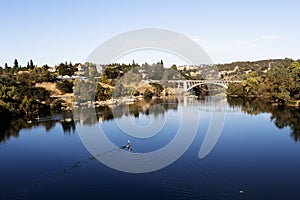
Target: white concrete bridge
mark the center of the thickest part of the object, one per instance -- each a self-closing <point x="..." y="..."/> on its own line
<point x="187" y="85"/>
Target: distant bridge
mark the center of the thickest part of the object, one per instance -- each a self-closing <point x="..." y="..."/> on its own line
<point x="187" y="85"/>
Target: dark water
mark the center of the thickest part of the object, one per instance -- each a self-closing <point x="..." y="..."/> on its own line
<point x="256" y="156"/>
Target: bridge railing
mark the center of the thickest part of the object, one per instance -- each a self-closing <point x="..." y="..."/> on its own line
<point x="187" y="85"/>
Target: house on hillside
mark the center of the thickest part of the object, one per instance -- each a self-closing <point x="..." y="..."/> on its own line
<point x="53" y="69"/>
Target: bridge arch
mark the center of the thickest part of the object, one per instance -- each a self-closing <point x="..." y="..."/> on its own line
<point x="206" y="83"/>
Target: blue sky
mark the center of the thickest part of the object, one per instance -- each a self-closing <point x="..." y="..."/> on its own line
<point x="69" y="30"/>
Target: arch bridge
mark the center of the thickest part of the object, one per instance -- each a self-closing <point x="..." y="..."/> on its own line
<point x="187" y="85"/>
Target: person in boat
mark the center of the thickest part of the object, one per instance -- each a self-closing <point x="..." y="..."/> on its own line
<point x="128" y="145"/>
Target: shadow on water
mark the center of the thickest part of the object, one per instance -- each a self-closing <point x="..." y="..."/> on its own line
<point x="281" y="116"/>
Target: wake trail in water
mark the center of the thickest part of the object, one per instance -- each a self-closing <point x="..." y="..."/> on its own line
<point x="36" y="182"/>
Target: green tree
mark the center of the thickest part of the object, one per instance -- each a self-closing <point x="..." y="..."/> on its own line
<point x="133" y="63"/>
<point x="235" y="89"/>
<point x="66" y="69"/>
<point x="294" y="70"/>
<point x="62" y="69"/>
<point x="103" y="93"/>
<point x="157" y="89"/>
<point x="174" y="67"/>
<point x="45" y="67"/>
<point x="65" y="86"/>
<point x="16" y="64"/>
<point x="31" y="66"/>
<point x="84" y="90"/>
<point x="250" y="85"/>
<point x="24" y="78"/>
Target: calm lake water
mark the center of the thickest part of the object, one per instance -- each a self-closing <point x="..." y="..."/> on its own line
<point x="256" y="155"/>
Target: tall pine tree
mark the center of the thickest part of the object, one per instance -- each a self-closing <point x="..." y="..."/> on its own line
<point x="31" y="66"/>
<point x="16" y="64"/>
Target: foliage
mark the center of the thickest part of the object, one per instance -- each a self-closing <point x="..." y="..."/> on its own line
<point x="103" y="93"/>
<point x="16" y="64"/>
<point x="280" y="84"/>
<point x="116" y="71"/>
<point x="66" y="69"/>
<point x="238" y="70"/>
<point x="148" y="94"/>
<point x="30" y="65"/>
<point x="65" y="86"/>
<point x="84" y="90"/>
<point x="37" y="75"/>
<point x="135" y="93"/>
<point x="20" y="97"/>
<point x="157" y="89"/>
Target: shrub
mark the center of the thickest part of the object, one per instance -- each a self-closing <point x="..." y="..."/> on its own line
<point x="65" y="86"/>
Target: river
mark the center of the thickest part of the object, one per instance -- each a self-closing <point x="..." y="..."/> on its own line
<point x="180" y="149"/>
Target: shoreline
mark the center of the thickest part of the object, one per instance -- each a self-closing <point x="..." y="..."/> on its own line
<point x="296" y="103"/>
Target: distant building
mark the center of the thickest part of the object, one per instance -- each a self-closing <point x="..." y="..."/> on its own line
<point x="23" y="72"/>
<point x="52" y="69"/>
<point x="186" y="67"/>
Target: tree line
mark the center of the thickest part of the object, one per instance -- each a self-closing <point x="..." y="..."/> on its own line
<point x="277" y="81"/>
<point x="280" y="84"/>
<point x="19" y="95"/>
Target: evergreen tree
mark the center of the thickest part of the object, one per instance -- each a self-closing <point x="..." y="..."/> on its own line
<point x="16" y="64"/>
<point x="174" y="67"/>
<point x="31" y="66"/>
<point x="45" y="67"/>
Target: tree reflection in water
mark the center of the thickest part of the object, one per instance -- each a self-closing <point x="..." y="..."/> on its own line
<point x="11" y="127"/>
<point x="281" y="116"/>
<point x="106" y="113"/>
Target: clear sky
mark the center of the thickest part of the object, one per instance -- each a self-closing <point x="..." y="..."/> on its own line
<point x="54" y="31"/>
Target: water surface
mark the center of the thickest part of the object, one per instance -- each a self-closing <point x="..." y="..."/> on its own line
<point x="257" y="155"/>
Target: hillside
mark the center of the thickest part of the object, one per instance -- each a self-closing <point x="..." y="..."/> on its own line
<point x="238" y="70"/>
<point x="56" y="93"/>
